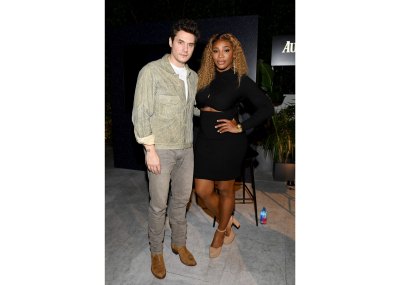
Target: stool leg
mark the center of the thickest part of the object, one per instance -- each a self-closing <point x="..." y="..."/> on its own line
<point x="244" y="181"/>
<point x="253" y="185"/>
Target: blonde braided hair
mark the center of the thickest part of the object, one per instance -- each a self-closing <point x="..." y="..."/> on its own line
<point x="207" y="68"/>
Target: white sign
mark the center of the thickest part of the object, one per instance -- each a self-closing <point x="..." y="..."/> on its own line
<point x="283" y="50"/>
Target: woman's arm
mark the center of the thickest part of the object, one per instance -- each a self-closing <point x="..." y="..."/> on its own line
<point x="259" y="99"/>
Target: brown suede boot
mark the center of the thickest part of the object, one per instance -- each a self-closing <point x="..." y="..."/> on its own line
<point x="184" y="254"/>
<point x="158" y="266"/>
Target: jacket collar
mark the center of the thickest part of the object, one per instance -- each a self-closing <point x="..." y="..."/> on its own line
<point x="167" y="65"/>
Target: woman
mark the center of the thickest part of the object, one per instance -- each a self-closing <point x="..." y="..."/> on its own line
<point x="221" y="144"/>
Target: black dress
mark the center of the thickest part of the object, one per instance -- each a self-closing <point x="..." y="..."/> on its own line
<point x="219" y="156"/>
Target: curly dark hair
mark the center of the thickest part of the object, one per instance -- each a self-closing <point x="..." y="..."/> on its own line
<point x="207" y="68"/>
<point x="186" y="25"/>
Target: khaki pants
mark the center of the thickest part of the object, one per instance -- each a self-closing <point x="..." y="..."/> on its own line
<point x="177" y="168"/>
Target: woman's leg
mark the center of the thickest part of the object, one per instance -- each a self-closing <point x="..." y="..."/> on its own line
<point x="205" y="190"/>
<point x="225" y="207"/>
<point x="226" y="203"/>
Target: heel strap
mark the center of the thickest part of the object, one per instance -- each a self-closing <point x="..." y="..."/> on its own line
<point x="221" y="231"/>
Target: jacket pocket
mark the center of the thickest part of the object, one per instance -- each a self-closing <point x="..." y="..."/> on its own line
<point x="168" y="106"/>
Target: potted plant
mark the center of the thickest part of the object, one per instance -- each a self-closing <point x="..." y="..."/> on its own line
<point x="280" y="143"/>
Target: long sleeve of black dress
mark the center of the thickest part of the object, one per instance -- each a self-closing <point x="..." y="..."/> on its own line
<point x="261" y="102"/>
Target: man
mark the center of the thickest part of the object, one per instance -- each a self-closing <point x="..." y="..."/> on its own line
<point x="163" y="122"/>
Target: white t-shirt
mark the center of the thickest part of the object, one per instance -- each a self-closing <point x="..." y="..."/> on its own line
<point x="182" y="72"/>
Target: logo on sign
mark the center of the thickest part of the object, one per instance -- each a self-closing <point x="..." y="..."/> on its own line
<point x="289" y="47"/>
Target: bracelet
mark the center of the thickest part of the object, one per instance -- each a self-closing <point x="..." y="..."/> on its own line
<point x="239" y="126"/>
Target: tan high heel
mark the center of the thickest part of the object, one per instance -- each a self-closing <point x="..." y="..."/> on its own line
<point x="216" y="251"/>
<point x="235" y="222"/>
<point x="228" y="239"/>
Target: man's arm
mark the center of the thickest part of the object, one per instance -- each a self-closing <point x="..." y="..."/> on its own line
<point x="143" y="108"/>
<point x="152" y="159"/>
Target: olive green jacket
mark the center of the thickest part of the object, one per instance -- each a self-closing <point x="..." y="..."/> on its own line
<point x="161" y="114"/>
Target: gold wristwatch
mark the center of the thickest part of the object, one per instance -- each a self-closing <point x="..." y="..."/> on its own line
<point x="239" y="126"/>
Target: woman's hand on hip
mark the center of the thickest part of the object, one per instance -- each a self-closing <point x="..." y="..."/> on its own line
<point x="225" y="125"/>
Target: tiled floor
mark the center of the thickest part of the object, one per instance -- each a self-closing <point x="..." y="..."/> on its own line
<point x="258" y="255"/>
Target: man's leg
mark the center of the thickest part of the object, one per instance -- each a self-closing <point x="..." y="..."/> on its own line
<point x="181" y="190"/>
<point x="158" y="190"/>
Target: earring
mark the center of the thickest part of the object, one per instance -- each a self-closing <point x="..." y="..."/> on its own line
<point x="234" y="66"/>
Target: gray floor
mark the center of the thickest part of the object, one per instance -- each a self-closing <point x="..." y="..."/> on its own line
<point x="258" y="255"/>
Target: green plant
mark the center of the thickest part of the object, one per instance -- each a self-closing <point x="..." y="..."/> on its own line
<point x="280" y="142"/>
<point x="266" y="77"/>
